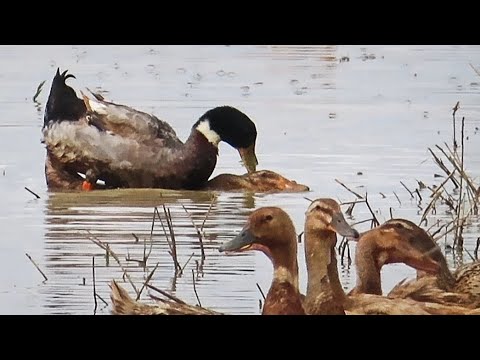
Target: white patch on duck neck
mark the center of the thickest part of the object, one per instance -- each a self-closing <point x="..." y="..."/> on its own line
<point x="210" y="135"/>
<point x="282" y="274"/>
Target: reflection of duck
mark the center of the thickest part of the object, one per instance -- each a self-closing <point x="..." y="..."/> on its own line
<point x="325" y="294"/>
<point x="459" y="287"/>
<point x="270" y="230"/>
<point x="260" y="181"/>
<point x="128" y="148"/>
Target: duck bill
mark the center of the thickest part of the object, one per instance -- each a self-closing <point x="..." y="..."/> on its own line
<point x="242" y="242"/>
<point x="249" y="158"/>
<point x="341" y="227"/>
<point x="419" y="261"/>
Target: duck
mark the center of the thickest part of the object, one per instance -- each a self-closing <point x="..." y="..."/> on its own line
<point x="259" y="182"/>
<point x="271" y="231"/>
<point x="323" y="221"/>
<point x="128" y="148"/>
<point x="388" y="243"/>
<point x="325" y="294"/>
<point x="444" y="286"/>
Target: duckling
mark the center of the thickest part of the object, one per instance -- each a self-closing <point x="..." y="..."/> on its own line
<point x="130" y="148"/>
<point x="123" y="304"/>
<point x="271" y="231"/>
<point x="259" y="181"/>
<point x="326" y="295"/>
<point x="459" y="287"/>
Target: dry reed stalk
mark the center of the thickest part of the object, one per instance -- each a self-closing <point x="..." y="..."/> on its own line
<point x="37" y="267"/>
<point x="107" y="248"/>
<point x="348" y="189"/>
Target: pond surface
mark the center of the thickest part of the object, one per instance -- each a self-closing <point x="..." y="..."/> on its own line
<point x="365" y="115"/>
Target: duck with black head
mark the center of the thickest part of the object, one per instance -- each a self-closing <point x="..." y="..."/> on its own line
<point x="126" y="147"/>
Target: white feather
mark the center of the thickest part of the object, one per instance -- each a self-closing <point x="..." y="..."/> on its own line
<point x="211" y="135"/>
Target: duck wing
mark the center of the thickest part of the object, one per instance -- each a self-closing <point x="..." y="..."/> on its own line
<point x="127" y="122"/>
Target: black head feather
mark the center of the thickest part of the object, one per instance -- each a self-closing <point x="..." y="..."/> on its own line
<point x="232" y="125"/>
<point x="63" y="103"/>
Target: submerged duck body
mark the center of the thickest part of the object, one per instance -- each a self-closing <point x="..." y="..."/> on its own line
<point x="259" y="181"/>
<point x="125" y="147"/>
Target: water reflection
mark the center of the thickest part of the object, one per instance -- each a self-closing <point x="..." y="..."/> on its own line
<point x="119" y="218"/>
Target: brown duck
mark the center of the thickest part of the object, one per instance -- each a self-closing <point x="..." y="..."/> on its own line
<point x="271" y="231"/>
<point x="374" y="249"/>
<point x="268" y="229"/>
<point x="445" y="287"/>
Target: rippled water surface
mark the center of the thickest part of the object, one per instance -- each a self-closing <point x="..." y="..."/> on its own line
<point x="364" y="115"/>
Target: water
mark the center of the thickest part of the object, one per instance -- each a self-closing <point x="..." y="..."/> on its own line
<point x="318" y="118"/>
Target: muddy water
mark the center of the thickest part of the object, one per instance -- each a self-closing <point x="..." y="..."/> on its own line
<point x="320" y="117"/>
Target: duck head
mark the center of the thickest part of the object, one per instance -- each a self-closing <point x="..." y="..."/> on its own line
<point x="325" y="215"/>
<point x="323" y="220"/>
<point x="258" y="181"/>
<point x="226" y="123"/>
<point x="270" y="230"/>
<point x="401" y="241"/>
<point x="266" y="180"/>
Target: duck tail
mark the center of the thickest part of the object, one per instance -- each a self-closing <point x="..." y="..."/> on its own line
<point x="123" y="304"/>
<point x="63" y="103"/>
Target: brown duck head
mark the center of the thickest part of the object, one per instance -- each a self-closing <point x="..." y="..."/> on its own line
<point x="401" y="241"/>
<point x="259" y="181"/>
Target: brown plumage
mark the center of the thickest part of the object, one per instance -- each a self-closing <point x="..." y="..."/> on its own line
<point x="460" y="287"/>
<point x="270" y="230"/>
<point x="259" y="181"/>
<point x="123" y="304"/>
<point x="322" y="269"/>
<point x="388" y="244"/>
<point x="324" y="219"/>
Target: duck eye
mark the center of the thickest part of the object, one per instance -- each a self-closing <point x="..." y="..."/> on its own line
<point x="317" y="207"/>
<point x="268" y="218"/>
